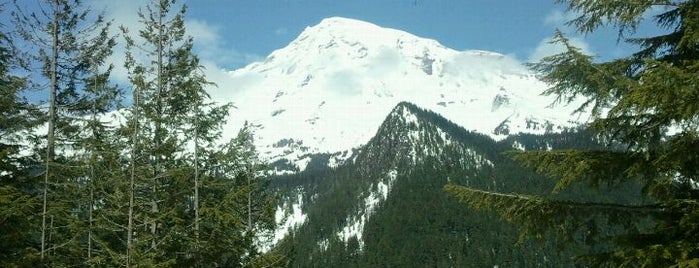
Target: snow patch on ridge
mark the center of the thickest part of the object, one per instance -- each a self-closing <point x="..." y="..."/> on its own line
<point x="288" y="217"/>
<point x="340" y="158"/>
<point x="355" y="225"/>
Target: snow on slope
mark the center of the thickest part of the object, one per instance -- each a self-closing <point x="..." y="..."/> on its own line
<point x="329" y="90"/>
<point x="354" y="226"/>
<point x="293" y="220"/>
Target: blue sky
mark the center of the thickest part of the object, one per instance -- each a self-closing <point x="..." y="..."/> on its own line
<point x="232" y="33"/>
<point x="251" y="29"/>
<point x="508" y="27"/>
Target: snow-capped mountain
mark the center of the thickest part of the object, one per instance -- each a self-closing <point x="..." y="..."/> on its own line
<point x="329" y="90"/>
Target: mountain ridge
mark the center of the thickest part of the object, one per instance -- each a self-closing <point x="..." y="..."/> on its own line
<point x="350" y="212"/>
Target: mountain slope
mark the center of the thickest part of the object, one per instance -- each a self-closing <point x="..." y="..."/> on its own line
<point x="330" y="89"/>
<point x="405" y="139"/>
<point x="385" y="206"/>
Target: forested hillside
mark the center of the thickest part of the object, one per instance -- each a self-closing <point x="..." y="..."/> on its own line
<point x="387" y="208"/>
<point x="646" y="102"/>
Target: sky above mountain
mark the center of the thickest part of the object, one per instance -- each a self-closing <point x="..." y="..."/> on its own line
<point x="234" y="33"/>
<point x="231" y="34"/>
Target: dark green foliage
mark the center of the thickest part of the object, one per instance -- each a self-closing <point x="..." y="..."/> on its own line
<point x="228" y="232"/>
<point x="646" y="107"/>
<point x="201" y="204"/>
<point x="18" y="201"/>
<point x="69" y="45"/>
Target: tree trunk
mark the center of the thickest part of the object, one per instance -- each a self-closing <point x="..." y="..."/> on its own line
<point x="93" y="160"/>
<point x="132" y="181"/>
<point x="250" y="188"/>
<point x="89" y="231"/>
<point x="196" y="182"/>
<point x="196" y="190"/>
<point x="51" y="127"/>
<point x="158" y="125"/>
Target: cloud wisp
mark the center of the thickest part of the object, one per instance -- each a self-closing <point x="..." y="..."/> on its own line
<point x="557" y="19"/>
<point x="215" y="54"/>
<point x="546" y="48"/>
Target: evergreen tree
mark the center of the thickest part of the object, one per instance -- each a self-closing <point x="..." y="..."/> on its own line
<point x="155" y="191"/>
<point x="236" y="207"/>
<point x="18" y="201"/>
<point x="185" y="204"/>
<point x="100" y="162"/>
<point x="648" y="104"/>
<point x="177" y="197"/>
<point x="251" y="177"/>
<point x="70" y="45"/>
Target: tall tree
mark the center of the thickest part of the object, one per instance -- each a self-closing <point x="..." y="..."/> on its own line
<point x="67" y="42"/>
<point x="175" y="129"/>
<point x="155" y="117"/>
<point x="649" y="104"/>
<point x="251" y="178"/>
<point x="98" y="153"/>
<point x="203" y="131"/>
<point x="236" y="206"/>
<point x="18" y="203"/>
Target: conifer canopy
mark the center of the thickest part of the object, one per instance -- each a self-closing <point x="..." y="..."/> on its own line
<point x="646" y="107"/>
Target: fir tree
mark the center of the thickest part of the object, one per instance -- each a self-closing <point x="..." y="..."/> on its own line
<point x="99" y="161"/>
<point x="18" y="202"/>
<point x="70" y="45"/>
<point x="183" y="208"/>
<point x="154" y="147"/>
<point x="647" y="103"/>
<point x="236" y="206"/>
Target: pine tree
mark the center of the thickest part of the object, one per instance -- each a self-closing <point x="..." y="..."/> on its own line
<point x="149" y="153"/>
<point x="99" y="159"/>
<point x="251" y="178"/>
<point x="236" y="206"/>
<point x="18" y="202"/>
<point x="182" y="209"/>
<point x="202" y="129"/>
<point x="646" y="105"/>
<point x="70" y="45"/>
<point x="160" y="100"/>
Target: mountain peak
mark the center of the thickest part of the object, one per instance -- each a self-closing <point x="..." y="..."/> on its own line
<point x="330" y="89"/>
<point x="350" y="29"/>
<point x="410" y="134"/>
<point x="345" y="23"/>
<point x="351" y="39"/>
<point x="337" y="27"/>
<point x="404" y="107"/>
<point x="406" y="104"/>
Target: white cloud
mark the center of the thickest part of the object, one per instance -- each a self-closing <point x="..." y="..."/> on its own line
<point x="281" y="31"/>
<point x="210" y="46"/>
<point x="204" y="34"/>
<point x="546" y="48"/>
<point x="222" y="79"/>
<point x="558" y="19"/>
<point x="216" y="56"/>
